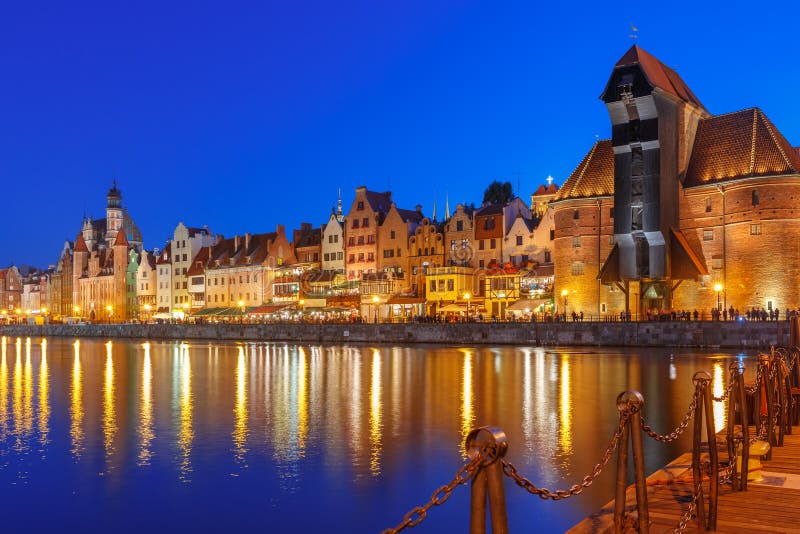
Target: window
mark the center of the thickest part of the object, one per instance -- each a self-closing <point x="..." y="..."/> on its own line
<point x="492" y="244"/>
<point x="459" y="226"/>
<point x="481" y="264"/>
<point x="519" y="240"/>
<point x="177" y="285"/>
<point x="481" y="244"/>
<point x="450" y="284"/>
<point x="336" y="238"/>
<point x="388" y="253"/>
<point x="716" y="263"/>
<point x="754" y="197"/>
<point x="361" y="256"/>
<point x="183" y="245"/>
<point x="552" y="235"/>
<point x="240" y="278"/>
<point x="391" y="235"/>
<point x="351" y="242"/>
<point x="433" y="286"/>
<point x="355" y="223"/>
<point x="361" y="240"/>
<point x="398" y="253"/>
<point x="184" y="257"/>
<point x="360" y="205"/>
<point x="603" y="308"/>
<point x="370" y="239"/>
<point x="708" y="204"/>
<point x="365" y="222"/>
<point x="576" y="242"/>
<point x="488" y="224"/>
<point x="611" y="213"/>
<point x="371" y="256"/>
<point x="326" y="257"/>
<point x="184" y="285"/>
<point x="576" y="215"/>
<point x="351" y="258"/>
<point x="177" y="271"/>
<point x="547" y="256"/>
<point x="340" y="255"/>
<point x="708" y="234"/>
<point x="755" y="229"/>
<point x="577" y="268"/>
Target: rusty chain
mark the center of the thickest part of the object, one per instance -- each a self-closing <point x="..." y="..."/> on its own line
<point x="672" y="436"/>
<point x="726" y="394"/>
<point x="415" y="516"/>
<point x="510" y="471"/>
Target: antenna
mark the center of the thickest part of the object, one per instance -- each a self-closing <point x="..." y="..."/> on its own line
<point x="634" y="33"/>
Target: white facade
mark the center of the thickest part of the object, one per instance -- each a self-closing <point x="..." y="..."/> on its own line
<point x="524" y="242"/>
<point x="147" y="283"/>
<point x="185" y="244"/>
<point x="333" y="245"/>
<point x="164" y="280"/>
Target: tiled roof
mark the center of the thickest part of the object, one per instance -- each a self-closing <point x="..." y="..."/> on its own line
<point x="594" y="177"/>
<point x="490" y="209"/>
<point x="166" y="252"/>
<point x="739" y="145"/>
<point x="80" y="244"/>
<point x="121" y="240"/>
<point x="194" y="231"/>
<point x="199" y="262"/>
<point x="410" y="215"/>
<point x="380" y="202"/>
<point x="151" y="260"/>
<point x="658" y="74"/>
<point x="551" y="189"/>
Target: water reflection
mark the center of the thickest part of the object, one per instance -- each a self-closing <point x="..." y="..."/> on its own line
<point x="467" y="413"/>
<point x="44" y="393"/>
<point x="109" y="413"/>
<point x="76" y="403"/>
<point x="186" y="401"/>
<point x="240" y="410"/>
<point x="4" y="389"/>
<point x="565" y="408"/>
<point x="293" y="422"/>
<point x="718" y="389"/>
<point x="146" y="434"/>
<point x="375" y="414"/>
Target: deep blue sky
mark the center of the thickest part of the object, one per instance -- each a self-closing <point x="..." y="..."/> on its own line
<point x="242" y="115"/>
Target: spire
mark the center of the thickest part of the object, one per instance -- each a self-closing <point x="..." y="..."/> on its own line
<point x="339" y="215"/>
<point x="121" y="240"/>
<point x="80" y="244"/>
<point x="446" y="206"/>
<point x="434" y="210"/>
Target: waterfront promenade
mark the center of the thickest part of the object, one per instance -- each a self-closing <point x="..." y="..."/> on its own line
<point x="697" y="334"/>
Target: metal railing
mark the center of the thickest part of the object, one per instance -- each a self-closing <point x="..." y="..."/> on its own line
<point x="773" y="394"/>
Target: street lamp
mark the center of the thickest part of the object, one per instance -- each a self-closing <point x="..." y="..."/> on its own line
<point x="375" y="301"/>
<point x="241" y="307"/>
<point x="718" y="288"/>
<point x="564" y="294"/>
<point x="147" y="313"/>
<point x="110" y="310"/>
<point x="467" y="296"/>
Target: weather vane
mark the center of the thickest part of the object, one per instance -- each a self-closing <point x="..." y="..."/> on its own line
<point x="634" y="33"/>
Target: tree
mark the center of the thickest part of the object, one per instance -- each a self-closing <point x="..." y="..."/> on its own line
<point x="498" y="193"/>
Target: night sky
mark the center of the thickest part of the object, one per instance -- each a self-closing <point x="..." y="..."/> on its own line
<point x="244" y="115"/>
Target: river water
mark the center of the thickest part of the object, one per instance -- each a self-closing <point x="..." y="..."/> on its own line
<point x="128" y="436"/>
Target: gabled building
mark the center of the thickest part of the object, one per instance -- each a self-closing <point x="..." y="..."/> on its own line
<point x="393" y="235"/>
<point x="459" y="238"/>
<point x="333" y="244"/>
<point x="147" y="284"/>
<point x="307" y="246"/>
<point x="164" y="280"/>
<point x="426" y="250"/>
<point x="366" y="214"/>
<point x="185" y="244"/>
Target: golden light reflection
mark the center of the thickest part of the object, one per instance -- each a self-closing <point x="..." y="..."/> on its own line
<point x="527" y="396"/>
<point x="44" y="393"/>
<point x="186" y="433"/>
<point x="375" y="408"/>
<point x="240" y="410"/>
<point x="27" y="392"/>
<point x="718" y="389"/>
<point x="76" y="403"/>
<point x="565" y="407"/>
<point x="355" y="403"/>
<point x="16" y="398"/>
<point x="109" y="414"/>
<point x="302" y="402"/>
<point x="467" y="413"/>
<point x="4" y="389"/>
<point x="146" y="434"/>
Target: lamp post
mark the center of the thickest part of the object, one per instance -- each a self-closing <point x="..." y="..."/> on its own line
<point x="241" y="307"/>
<point x="185" y="311"/>
<point x="718" y="288"/>
<point x="467" y="296"/>
<point x="76" y="310"/>
<point x="110" y="311"/>
<point x="146" y="313"/>
<point x="564" y="294"/>
<point x="375" y="301"/>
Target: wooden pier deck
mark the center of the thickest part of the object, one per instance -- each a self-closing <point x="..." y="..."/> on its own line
<point x="769" y="505"/>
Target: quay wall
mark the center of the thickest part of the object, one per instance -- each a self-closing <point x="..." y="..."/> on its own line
<point x="702" y="334"/>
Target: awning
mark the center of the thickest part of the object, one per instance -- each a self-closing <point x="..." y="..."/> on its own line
<point x="406" y="300"/>
<point x="206" y="312"/>
<point x="162" y="316"/>
<point x="527" y="304"/>
<point x="685" y="262"/>
<point x="454" y="308"/>
<point x="269" y="309"/>
<point x="609" y="272"/>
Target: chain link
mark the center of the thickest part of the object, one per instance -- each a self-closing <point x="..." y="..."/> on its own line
<point x="726" y="394"/>
<point x="556" y="495"/>
<point x="672" y="436"/>
<point x="416" y="515"/>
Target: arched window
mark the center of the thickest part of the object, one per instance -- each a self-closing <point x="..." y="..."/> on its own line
<point x="754" y="198"/>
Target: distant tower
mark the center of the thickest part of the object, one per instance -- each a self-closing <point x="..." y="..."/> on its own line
<point x="339" y="214"/>
<point x="114" y="215"/>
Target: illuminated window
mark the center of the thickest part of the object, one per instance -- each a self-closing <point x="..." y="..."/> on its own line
<point x="755" y="229"/>
<point x="576" y="242"/>
<point x="716" y="263"/>
<point x="519" y="240"/>
<point x="708" y="234"/>
<point x="577" y="268"/>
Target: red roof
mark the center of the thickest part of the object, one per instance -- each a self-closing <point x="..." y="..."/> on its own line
<point x="80" y="244"/>
<point x="121" y="240"/>
<point x="594" y="177"/>
<point x="658" y="74"/>
<point x="738" y="145"/>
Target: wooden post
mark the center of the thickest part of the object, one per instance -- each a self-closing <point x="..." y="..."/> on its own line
<point x="702" y="381"/>
<point x="737" y="398"/>
<point x="488" y="481"/>
<point x="633" y="402"/>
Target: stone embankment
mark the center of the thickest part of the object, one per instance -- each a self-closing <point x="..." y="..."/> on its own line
<point x="703" y="334"/>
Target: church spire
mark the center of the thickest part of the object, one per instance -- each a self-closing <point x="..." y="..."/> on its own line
<point x="446" y="206"/>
